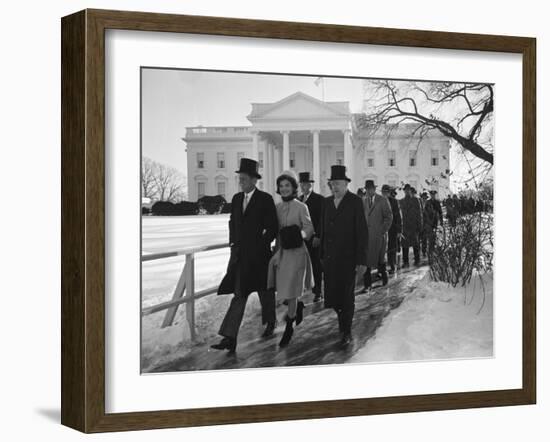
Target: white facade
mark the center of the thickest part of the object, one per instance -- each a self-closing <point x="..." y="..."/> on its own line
<point x="303" y="133"/>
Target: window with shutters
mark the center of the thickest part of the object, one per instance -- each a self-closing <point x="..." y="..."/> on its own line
<point x="370" y="158"/>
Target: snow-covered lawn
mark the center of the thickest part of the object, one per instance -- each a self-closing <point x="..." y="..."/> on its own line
<point x="159" y="277"/>
<point x="436" y="321"/>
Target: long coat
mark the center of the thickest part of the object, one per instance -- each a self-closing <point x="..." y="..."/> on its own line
<point x="396" y="225"/>
<point x="397" y="220"/>
<point x="290" y="269"/>
<point x="379" y="218"/>
<point x="343" y="247"/>
<point x="315" y="204"/>
<point x="250" y="234"/>
<point x="411" y="210"/>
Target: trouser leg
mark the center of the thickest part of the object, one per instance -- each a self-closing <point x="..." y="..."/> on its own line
<point x="367" y="278"/>
<point x="316" y="267"/>
<point x="405" y="254"/>
<point x="424" y="242"/>
<point x="339" y="314"/>
<point x="233" y="317"/>
<point x="392" y="250"/>
<point x="267" y="301"/>
<point x="347" y="315"/>
<point x="416" y="251"/>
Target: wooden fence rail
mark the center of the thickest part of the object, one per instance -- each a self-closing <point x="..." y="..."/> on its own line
<point x="184" y="293"/>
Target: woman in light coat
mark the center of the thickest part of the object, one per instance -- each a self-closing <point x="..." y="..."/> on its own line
<point x="290" y="270"/>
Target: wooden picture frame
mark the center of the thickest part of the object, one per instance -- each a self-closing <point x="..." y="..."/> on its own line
<point x="83" y="220"/>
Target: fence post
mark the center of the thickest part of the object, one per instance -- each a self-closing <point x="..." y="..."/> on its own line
<point x="178" y="293"/>
<point x="190" y="293"/>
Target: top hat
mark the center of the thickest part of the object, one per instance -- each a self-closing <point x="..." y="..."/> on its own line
<point x="249" y="167"/>
<point x="424" y="194"/>
<point x="338" y="172"/>
<point x="407" y="186"/>
<point x="370" y="184"/>
<point x="304" y="177"/>
<point x="386" y="188"/>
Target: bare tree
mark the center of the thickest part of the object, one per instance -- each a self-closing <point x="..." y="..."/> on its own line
<point x="169" y="183"/>
<point x="148" y="182"/>
<point x="462" y="112"/>
<point x="160" y="182"/>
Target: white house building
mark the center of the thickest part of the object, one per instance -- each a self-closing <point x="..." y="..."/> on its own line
<point x="303" y="133"/>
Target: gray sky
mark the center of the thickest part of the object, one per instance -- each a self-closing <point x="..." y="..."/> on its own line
<point x="175" y="99"/>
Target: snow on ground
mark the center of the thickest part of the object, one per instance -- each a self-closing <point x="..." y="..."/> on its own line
<point x="436" y="321"/>
<point x="159" y="278"/>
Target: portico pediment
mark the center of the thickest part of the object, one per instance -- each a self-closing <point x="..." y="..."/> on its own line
<point x="299" y="106"/>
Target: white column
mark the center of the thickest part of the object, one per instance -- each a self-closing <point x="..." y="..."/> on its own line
<point x="255" y="148"/>
<point x="286" y="150"/>
<point x="268" y="162"/>
<point x="348" y="155"/>
<point x="316" y="161"/>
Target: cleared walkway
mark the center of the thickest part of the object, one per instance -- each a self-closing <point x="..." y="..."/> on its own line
<point x="316" y="339"/>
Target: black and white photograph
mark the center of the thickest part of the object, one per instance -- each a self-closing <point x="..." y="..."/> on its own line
<point x="305" y="220"/>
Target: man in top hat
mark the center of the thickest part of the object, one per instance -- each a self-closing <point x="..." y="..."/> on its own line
<point x="253" y="225"/>
<point x="343" y="249"/>
<point x="412" y="225"/>
<point x="314" y="203"/>
<point x="378" y="215"/>
<point x="396" y="227"/>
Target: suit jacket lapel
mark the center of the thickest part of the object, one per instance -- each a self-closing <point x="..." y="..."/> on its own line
<point x="252" y="201"/>
<point x="342" y="201"/>
<point x="239" y="201"/>
<point x="374" y="201"/>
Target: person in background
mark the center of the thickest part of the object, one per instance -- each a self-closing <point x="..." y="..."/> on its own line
<point x="437" y="206"/>
<point x="412" y="225"/>
<point x="343" y="249"/>
<point x="290" y="268"/>
<point x="378" y="215"/>
<point x="253" y="226"/>
<point x="314" y="203"/>
<point x="396" y="228"/>
<point x="426" y="227"/>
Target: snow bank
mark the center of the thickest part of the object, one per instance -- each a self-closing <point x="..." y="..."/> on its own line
<point x="436" y="321"/>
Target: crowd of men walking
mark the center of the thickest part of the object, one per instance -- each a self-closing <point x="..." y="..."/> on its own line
<point x="319" y="243"/>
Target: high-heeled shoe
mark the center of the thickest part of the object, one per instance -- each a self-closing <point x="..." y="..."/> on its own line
<point x="299" y="312"/>
<point x="289" y="330"/>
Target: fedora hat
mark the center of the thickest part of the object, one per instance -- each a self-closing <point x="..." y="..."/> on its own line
<point x="370" y="184"/>
<point x="250" y="167"/>
<point x="304" y="177"/>
<point x="386" y="188"/>
<point x="338" y="172"/>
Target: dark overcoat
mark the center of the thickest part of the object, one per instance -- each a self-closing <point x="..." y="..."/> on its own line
<point x="396" y="225"/>
<point x="411" y="209"/>
<point x="250" y="234"/>
<point x="397" y="222"/>
<point x="343" y="246"/>
<point x="315" y="204"/>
